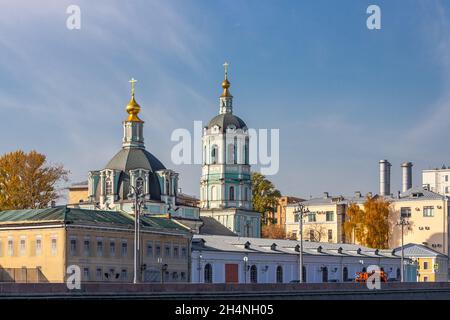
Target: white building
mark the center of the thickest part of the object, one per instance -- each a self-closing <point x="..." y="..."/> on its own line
<point x="223" y="259"/>
<point x="437" y="180"/>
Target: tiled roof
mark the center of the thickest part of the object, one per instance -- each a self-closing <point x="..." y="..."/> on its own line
<point x="83" y="216"/>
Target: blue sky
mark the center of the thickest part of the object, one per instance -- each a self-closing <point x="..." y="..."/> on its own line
<point x="342" y="96"/>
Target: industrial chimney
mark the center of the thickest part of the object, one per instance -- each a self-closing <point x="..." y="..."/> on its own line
<point x="385" y="178"/>
<point x="406" y="176"/>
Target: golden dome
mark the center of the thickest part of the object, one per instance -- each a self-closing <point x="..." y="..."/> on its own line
<point x="226" y="83"/>
<point x="133" y="109"/>
<point x="226" y="86"/>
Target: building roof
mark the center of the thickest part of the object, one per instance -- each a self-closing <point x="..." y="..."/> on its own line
<point x="135" y="158"/>
<point x="68" y="215"/>
<point x="419" y="193"/>
<point x="413" y="250"/>
<point x="213" y="227"/>
<point x="277" y="246"/>
<point x="226" y="119"/>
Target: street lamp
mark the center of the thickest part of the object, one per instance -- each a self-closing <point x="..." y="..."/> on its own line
<point x="138" y="196"/>
<point x="200" y="257"/>
<point x="245" y="268"/>
<point x="301" y="211"/>
<point x="403" y="222"/>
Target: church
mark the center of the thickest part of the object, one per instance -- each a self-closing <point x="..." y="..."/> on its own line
<point x="131" y="168"/>
<point x="225" y="206"/>
<point x="225" y="184"/>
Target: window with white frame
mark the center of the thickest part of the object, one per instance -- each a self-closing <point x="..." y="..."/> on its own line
<point x="428" y="211"/>
<point x="231" y="196"/>
<point x="149" y="249"/>
<point x="99" y="247"/>
<point x="124" y="248"/>
<point x="10" y="247"/>
<point x="98" y="273"/>
<point x="87" y="247"/>
<point x="405" y="212"/>
<point x="23" y="246"/>
<point x="329" y="216"/>
<point x="112" y="248"/>
<point x="38" y="248"/>
<point x="54" y="246"/>
<point x="73" y="247"/>
<point x="86" y="275"/>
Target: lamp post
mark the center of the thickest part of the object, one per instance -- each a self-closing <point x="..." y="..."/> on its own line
<point x="300" y="212"/>
<point x="200" y="257"/>
<point x="402" y="223"/>
<point x="139" y="200"/>
<point x="245" y="268"/>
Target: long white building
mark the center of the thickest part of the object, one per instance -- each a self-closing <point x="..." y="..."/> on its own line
<point x="225" y="259"/>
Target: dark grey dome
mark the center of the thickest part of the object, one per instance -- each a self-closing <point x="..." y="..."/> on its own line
<point x="135" y="158"/>
<point x="226" y="119"/>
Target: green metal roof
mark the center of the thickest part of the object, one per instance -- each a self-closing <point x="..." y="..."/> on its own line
<point x="83" y="216"/>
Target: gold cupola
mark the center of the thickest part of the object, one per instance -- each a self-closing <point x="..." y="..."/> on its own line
<point x="133" y="107"/>
<point x="226" y="83"/>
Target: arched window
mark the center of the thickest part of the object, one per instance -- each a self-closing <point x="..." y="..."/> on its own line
<point x="235" y="151"/>
<point x="208" y="273"/>
<point x="279" y="274"/>
<point x="324" y="274"/>
<point x="345" y="274"/>
<point x="204" y="155"/>
<point x="167" y="186"/>
<point x="231" y="195"/>
<point x="213" y="193"/>
<point x="214" y="154"/>
<point x="108" y="186"/>
<point x="246" y="153"/>
<point x="253" y="274"/>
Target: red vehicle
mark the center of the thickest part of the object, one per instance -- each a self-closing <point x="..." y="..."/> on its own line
<point x="363" y="276"/>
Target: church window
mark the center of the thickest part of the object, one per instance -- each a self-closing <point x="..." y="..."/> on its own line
<point x="246" y="155"/>
<point x="167" y="186"/>
<point x="231" y="156"/>
<point x="214" y="154"/>
<point x="204" y="155"/>
<point x="140" y="183"/>
<point x="231" y="193"/>
<point x="108" y="186"/>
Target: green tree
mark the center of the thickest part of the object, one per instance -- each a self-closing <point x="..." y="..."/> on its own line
<point x="27" y="181"/>
<point x="265" y="195"/>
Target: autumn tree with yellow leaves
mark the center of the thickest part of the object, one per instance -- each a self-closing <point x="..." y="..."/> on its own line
<point x="27" y="181"/>
<point x="369" y="225"/>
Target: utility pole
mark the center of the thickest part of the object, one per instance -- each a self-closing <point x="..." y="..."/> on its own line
<point x="402" y="223"/>
<point x="300" y="212"/>
<point x="139" y="198"/>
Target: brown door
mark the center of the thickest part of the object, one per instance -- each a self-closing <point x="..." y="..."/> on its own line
<point x="231" y="273"/>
